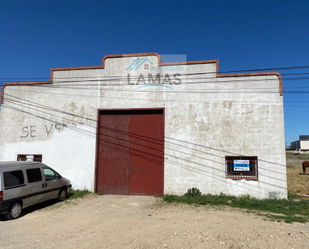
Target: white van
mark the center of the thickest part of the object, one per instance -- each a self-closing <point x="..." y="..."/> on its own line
<point x="23" y="184"/>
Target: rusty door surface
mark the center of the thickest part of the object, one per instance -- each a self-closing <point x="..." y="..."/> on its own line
<point x="130" y="152"/>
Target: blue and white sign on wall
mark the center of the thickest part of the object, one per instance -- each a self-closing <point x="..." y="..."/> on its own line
<point x="241" y="165"/>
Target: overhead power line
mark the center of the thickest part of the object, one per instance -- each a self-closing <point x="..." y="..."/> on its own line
<point x="93" y="135"/>
<point x="221" y="72"/>
<point x="153" y="78"/>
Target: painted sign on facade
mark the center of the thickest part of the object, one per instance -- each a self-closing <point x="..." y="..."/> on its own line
<point x="241" y="165"/>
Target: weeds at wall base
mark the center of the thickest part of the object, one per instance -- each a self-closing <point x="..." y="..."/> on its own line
<point x="77" y="193"/>
<point x="278" y="210"/>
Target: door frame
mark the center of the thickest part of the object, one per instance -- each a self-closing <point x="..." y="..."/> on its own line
<point x="98" y="131"/>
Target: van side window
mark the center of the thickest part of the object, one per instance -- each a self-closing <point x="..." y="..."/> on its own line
<point x="13" y="178"/>
<point x="34" y="175"/>
<point x="49" y="174"/>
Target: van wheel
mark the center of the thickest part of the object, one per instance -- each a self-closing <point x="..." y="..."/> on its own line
<point x="62" y="194"/>
<point x="14" y="211"/>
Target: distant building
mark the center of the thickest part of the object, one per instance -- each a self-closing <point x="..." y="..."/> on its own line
<point x="301" y="144"/>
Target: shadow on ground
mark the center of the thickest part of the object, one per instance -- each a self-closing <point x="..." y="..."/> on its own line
<point x="34" y="208"/>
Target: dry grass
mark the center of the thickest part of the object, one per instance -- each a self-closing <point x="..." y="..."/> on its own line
<point x="297" y="182"/>
<point x="296" y="160"/>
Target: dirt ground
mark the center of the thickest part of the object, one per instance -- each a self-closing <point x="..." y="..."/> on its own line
<point x="144" y="222"/>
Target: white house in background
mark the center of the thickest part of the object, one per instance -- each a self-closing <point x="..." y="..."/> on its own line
<point x="302" y="144"/>
<point x="135" y="125"/>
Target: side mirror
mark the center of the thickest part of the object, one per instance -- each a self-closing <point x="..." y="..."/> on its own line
<point x="58" y="176"/>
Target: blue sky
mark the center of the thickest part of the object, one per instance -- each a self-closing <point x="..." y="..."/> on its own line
<point x="38" y="35"/>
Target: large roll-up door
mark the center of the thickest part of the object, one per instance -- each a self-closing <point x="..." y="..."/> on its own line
<point x="130" y="152"/>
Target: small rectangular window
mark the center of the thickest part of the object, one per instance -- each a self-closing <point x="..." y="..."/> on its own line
<point x="29" y="157"/>
<point x="13" y="178"/>
<point x="241" y="167"/>
<point x="34" y="175"/>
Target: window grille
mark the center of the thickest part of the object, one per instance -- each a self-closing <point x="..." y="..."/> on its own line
<point x="23" y="157"/>
<point x="241" y="167"/>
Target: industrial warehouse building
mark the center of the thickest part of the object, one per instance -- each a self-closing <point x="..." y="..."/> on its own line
<point x="302" y="144"/>
<point x="135" y="125"/>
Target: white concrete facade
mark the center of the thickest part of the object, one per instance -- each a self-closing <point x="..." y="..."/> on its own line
<point x="207" y="117"/>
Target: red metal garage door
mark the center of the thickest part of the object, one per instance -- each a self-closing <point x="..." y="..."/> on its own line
<point x="130" y="152"/>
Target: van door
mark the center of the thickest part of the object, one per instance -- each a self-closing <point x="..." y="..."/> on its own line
<point x="52" y="183"/>
<point x="35" y="186"/>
